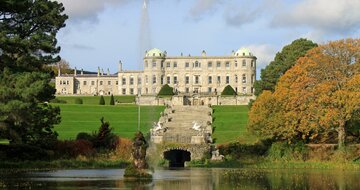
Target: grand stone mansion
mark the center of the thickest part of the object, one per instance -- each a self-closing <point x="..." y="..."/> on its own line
<point x="186" y="74"/>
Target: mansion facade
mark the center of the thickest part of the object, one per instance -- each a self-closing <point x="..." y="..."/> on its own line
<point x="186" y="74"/>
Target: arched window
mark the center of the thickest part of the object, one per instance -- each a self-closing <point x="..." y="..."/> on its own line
<point x="236" y="79"/>
<point x="244" y="63"/>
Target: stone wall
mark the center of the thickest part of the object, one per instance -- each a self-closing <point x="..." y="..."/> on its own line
<point x="196" y="100"/>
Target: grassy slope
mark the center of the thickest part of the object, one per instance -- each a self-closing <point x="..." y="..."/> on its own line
<point x="230" y="124"/>
<point x="86" y="118"/>
<point x="94" y="100"/>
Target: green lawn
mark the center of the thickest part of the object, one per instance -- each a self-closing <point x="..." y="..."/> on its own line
<point x="94" y="100"/>
<point x="123" y="118"/>
<point x="230" y="124"/>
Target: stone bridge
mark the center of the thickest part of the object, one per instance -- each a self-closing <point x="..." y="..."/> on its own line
<point x="183" y="133"/>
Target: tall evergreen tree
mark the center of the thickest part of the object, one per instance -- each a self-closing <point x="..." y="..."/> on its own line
<point x="102" y="100"/>
<point x="282" y="62"/>
<point x="112" y="101"/>
<point x="27" y="43"/>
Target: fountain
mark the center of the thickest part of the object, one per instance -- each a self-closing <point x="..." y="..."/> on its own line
<point x="139" y="169"/>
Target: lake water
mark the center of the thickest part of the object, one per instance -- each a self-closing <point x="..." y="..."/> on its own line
<point x="187" y="179"/>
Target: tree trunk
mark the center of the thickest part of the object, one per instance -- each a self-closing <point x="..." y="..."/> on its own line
<point x="341" y="135"/>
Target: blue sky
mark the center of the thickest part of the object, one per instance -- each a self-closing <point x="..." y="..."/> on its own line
<point x="100" y="33"/>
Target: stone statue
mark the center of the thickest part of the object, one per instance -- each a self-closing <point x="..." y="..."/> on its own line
<point x="138" y="169"/>
<point x="139" y="151"/>
<point x="196" y="126"/>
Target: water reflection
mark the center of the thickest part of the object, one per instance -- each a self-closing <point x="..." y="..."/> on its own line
<point x="188" y="179"/>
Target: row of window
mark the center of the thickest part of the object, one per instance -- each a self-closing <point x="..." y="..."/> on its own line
<point x="187" y="90"/>
<point x="64" y="82"/>
<point x="197" y="64"/>
<point x="100" y="83"/>
<point x="196" y="79"/>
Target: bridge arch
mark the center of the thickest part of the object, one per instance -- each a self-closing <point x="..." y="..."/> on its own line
<point x="177" y="157"/>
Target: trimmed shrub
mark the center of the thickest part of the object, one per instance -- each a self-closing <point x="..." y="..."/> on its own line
<point x="112" y="101"/>
<point x="166" y="90"/>
<point x="84" y="136"/>
<point x="58" y="101"/>
<point x="102" y="100"/>
<point x="228" y="90"/>
<point x="78" y="101"/>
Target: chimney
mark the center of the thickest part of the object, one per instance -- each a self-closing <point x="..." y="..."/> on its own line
<point x="82" y="72"/>
<point x="98" y="71"/>
<point x="75" y="72"/>
<point x="108" y="71"/>
<point x="120" y="66"/>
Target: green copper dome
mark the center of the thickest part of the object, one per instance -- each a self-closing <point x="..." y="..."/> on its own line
<point x="155" y="53"/>
<point x="243" y="52"/>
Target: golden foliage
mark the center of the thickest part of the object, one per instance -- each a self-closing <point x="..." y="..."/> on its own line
<point x="315" y="97"/>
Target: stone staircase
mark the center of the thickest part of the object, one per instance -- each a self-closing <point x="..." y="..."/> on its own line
<point x="177" y="122"/>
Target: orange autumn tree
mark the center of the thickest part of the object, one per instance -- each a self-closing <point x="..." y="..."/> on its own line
<point x="317" y="96"/>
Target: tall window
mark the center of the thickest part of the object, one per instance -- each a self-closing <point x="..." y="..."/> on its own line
<point x="92" y="83"/>
<point x="101" y="82"/>
<point x="227" y="79"/>
<point x="209" y="89"/>
<point x="117" y="82"/>
<point x="109" y="82"/>
<point x="244" y="90"/>
<point x="84" y="83"/>
<point x="167" y="64"/>
<point x="146" y="79"/>
<point x="162" y="79"/>
<point x="154" y="79"/>
<point x="243" y="78"/>
<point x="187" y="80"/>
<point x="227" y="64"/>
<point x="175" y="64"/>
<point x="236" y="63"/>
<point x="219" y="79"/>
<point x="124" y="91"/>
<point x="236" y="79"/>
<point x="210" y="79"/>
<point x="168" y="80"/>
<point x="187" y="64"/>
<point x="209" y="64"/>
<point x="131" y="91"/>
<point x="187" y="90"/>
<point x="252" y="63"/>
<point x="252" y="78"/>
<point x="197" y="79"/>
<point x="218" y="64"/>
<point x="244" y="63"/>
<point x="131" y="80"/>
<point x="139" y="80"/>
<point x="154" y="64"/>
<point x="123" y="81"/>
<point x="175" y="80"/>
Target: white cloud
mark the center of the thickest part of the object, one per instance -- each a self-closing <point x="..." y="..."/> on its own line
<point x="334" y="16"/>
<point x="243" y="12"/>
<point x="264" y="52"/>
<point x="203" y="7"/>
<point x="80" y="10"/>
